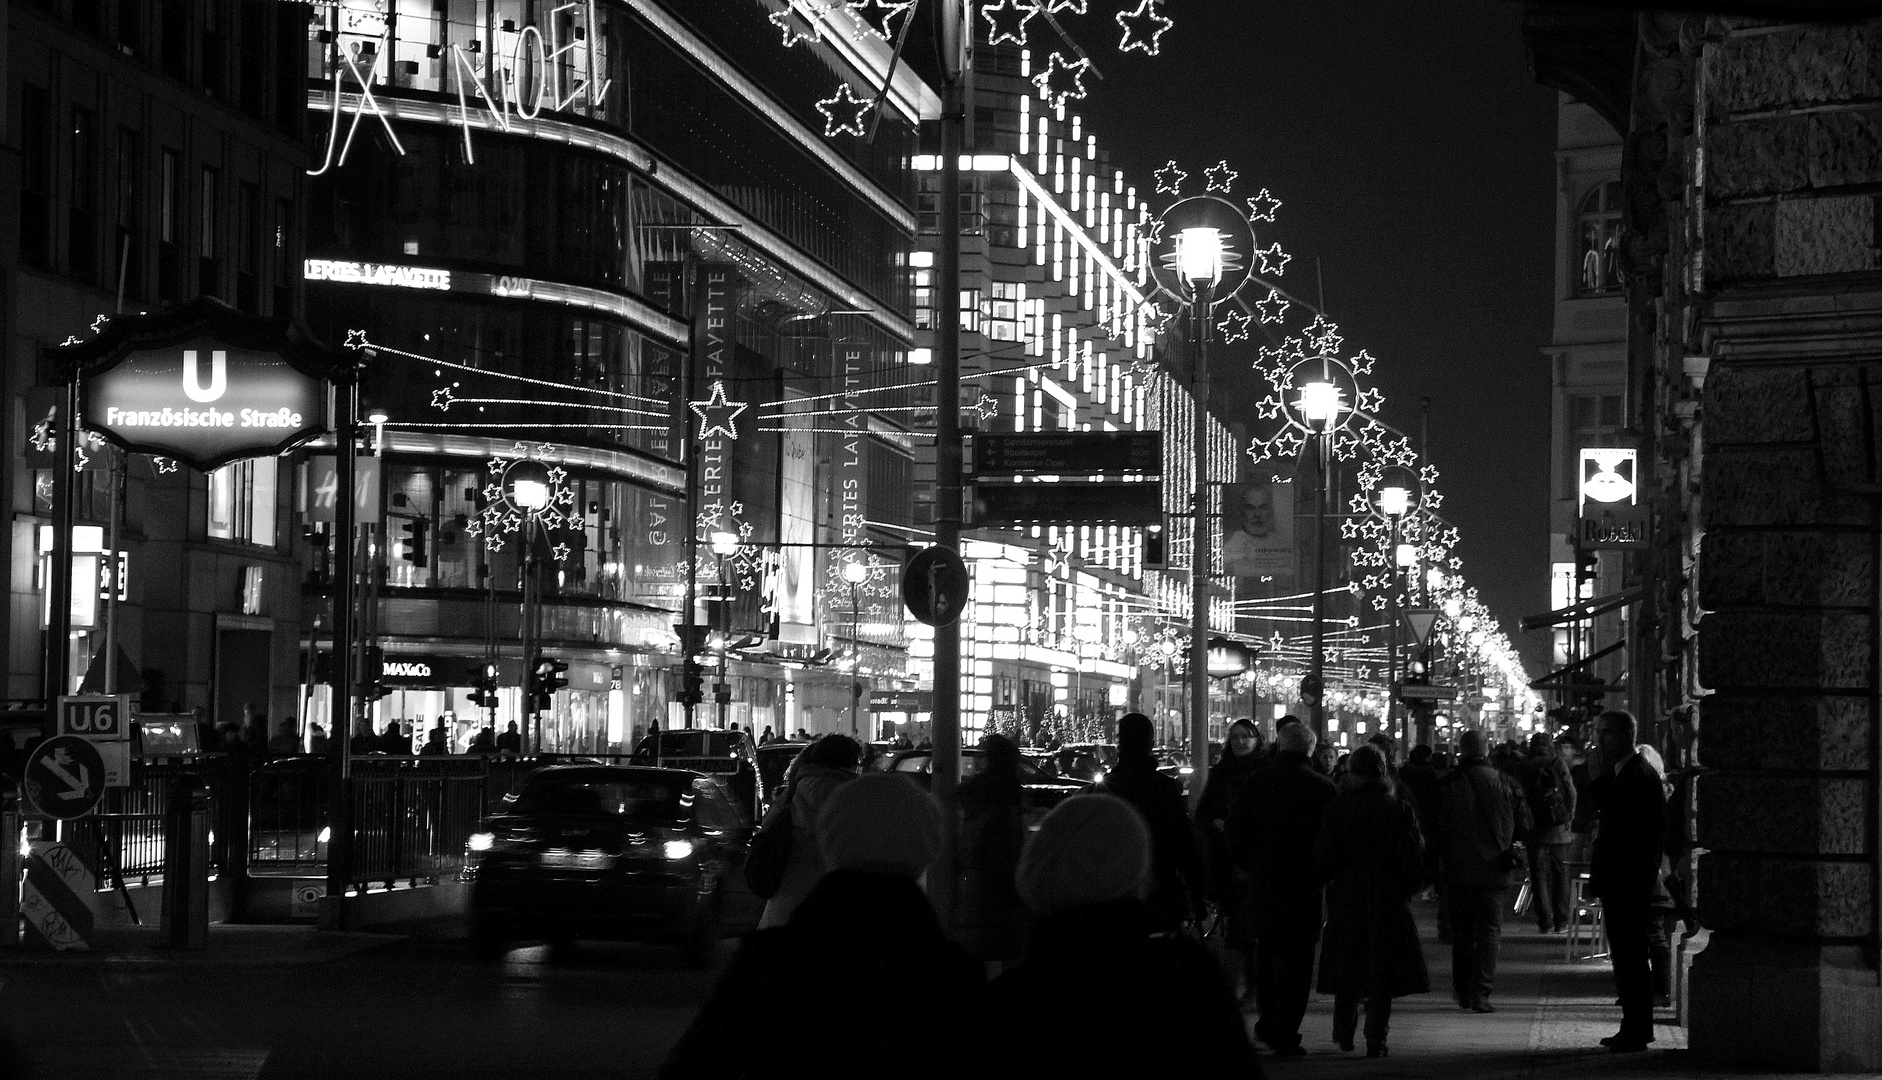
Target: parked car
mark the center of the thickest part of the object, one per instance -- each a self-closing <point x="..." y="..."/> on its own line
<point x="727" y="756"/>
<point x="613" y="852"/>
<point x="1039" y="793"/>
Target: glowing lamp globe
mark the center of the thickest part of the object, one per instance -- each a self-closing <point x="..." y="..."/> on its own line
<point x="1407" y="555"/>
<point x="855" y="572"/>
<point x="724" y="543"/>
<point x="529" y="485"/>
<point x="1199" y="255"/>
<point x="1319" y="404"/>
<point x="1394" y="500"/>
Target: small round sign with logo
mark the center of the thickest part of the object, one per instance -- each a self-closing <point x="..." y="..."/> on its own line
<point x="65" y="777"/>
<point x="935" y="586"/>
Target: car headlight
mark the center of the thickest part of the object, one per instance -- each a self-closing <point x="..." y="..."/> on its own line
<point x="1186" y="770"/>
<point x="679" y="849"/>
<point x="326" y="834"/>
<point x="480" y="841"/>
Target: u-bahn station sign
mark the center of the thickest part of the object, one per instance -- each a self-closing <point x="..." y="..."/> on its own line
<point x="204" y="384"/>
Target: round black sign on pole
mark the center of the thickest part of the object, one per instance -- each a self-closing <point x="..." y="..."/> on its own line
<point x="934" y="586"/>
<point x="65" y="778"/>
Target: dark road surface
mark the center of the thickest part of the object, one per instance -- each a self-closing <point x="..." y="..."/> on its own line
<point x="411" y="1008"/>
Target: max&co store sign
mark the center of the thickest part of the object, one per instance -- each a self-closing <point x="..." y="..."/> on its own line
<point x="204" y="384"/>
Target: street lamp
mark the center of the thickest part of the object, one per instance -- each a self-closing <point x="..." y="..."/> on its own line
<point x="1199" y="258"/>
<point x="724" y="545"/>
<point x="529" y="486"/>
<point x="855" y="572"/>
<point x="1398" y="493"/>
<point x="1320" y="407"/>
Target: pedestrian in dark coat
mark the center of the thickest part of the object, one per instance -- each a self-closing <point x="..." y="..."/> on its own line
<point x="863" y="941"/>
<point x="1484" y="816"/>
<point x="815" y="775"/>
<point x="1624" y="870"/>
<point x="1176" y="879"/>
<point x="1371" y="853"/>
<point x="1551" y="794"/>
<point x="1272" y="827"/>
<point x="1228" y="885"/>
<point x="1420" y="780"/>
<point x="1096" y="955"/>
<point x="992" y="919"/>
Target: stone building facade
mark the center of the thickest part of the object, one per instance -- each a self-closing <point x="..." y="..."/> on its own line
<point x="1750" y="164"/>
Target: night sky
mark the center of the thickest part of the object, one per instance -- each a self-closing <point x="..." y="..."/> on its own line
<point x="1414" y="155"/>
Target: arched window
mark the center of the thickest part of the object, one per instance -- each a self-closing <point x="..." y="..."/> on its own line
<point x="1598" y="231"/>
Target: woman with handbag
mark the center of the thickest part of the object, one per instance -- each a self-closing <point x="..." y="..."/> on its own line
<point x="824" y="766"/>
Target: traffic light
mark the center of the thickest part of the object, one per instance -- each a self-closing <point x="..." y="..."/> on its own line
<point x="1415" y="674"/>
<point x="377" y="690"/>
<point x="415" y="531"/>
<point x="483" y="678"/>
<point x="545" y="680"/>
<point x="1154" y="547"/>
<point x="692" y="687"/>
<point x="1310" y="688"/>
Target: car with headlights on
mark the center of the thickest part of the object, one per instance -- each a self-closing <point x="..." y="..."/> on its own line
<point x="613" y="852"/>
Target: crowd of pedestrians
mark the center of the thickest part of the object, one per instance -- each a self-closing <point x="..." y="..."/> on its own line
<point x="1296" y="873"/>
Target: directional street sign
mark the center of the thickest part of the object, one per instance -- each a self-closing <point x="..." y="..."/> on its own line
<point x="1068" y="453"/>
<point x="104" y="717"/>
<point x="1006" y="504"/>
<point x="65" y="777"/>
<point x="1427" y="693"/>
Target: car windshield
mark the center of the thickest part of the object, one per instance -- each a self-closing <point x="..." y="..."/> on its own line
<point x="602" y="796"/>
<point x="700" y="744"/>
<point x="971" y="764"/>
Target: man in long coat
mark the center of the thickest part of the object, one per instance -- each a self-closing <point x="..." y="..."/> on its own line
<point x="1272" y="827"/>
<point x="1624" y="870"/>
<point x="1484" y="814"/>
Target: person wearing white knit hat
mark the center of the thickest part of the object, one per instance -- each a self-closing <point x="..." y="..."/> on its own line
<point x="1095" y="953"/>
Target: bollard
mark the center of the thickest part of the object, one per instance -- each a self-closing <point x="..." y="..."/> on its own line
<point x="10" y="856"/>
<point x="186" y="866"/>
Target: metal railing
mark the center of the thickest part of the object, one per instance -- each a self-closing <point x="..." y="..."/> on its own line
<point x="127" y="832"/>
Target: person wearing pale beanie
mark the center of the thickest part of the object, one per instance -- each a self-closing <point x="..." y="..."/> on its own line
<point x="864" y="936"/>
<point x="1095" y="950"/>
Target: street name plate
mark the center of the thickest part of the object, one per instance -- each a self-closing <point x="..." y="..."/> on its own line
<point x="1068" y="453"/>
<point x="998" y="504"/>
<point x="1427" y="693"/>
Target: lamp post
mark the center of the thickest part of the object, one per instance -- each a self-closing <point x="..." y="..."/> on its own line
<point x="1399" y="493"/>
<point x="724" y="545"/>
<point x="855" y="573"/>
<point x="1199" y="263"/>
<point x="1320" y="405"/>
<point x="529" y="487"/>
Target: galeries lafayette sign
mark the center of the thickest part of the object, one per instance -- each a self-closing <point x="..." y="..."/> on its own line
<point x="204" y="384"/>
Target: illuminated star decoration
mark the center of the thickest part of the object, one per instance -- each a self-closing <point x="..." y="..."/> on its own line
<point x="98" y="324"/>
<point x="1170" y="180"/>
<point x="1428" y="474"/>
<point x="1273" y="259"/>
<point x="1143" y="28"/>
<point x="716" y="414"/>
<point x="560" y="553"/>
<point x="1261" y="207"/>
<point x="986" y="408"/>
<point x="880" y="18"/>
<point x="1362" y="362"/>
<point x="1007" y="19"/>
<point x="163" y="465"/>
<point x="1151" y="231"/>
<point x="1220" y="177"/>
<point x="70" y="339"/>
<point x="1273" y="308"/>
<point x="1323" y="334"/>
<point x="800" y="21"/>
<point x="1371" y="400"/>
<point x="356" y="339"/>
<point x="501" y="514"/>
<point x="843" y="111"/>
<point x="42" y="438"/>
<point x="441" y="398"/>
<point x="1234" y="326"/>
<point x="1062" y="80"/>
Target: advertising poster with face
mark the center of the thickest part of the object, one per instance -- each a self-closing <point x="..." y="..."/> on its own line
<point x="1258" y="536"/>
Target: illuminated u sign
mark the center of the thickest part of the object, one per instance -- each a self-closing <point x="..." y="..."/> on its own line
<point x="218" y="376"/>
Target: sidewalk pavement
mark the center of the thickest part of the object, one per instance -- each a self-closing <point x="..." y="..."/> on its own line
<point x="228" y="945"/>
<point x="1551" y="1014"/>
